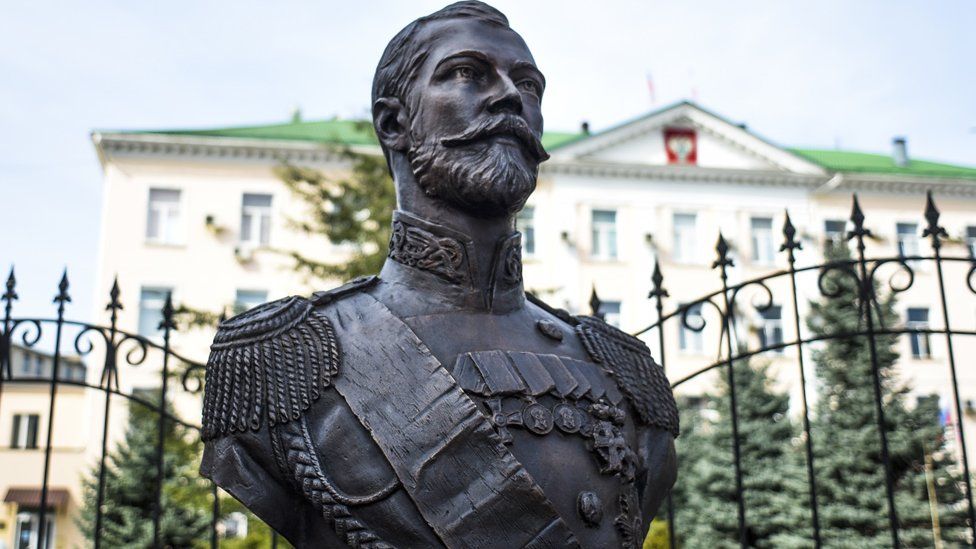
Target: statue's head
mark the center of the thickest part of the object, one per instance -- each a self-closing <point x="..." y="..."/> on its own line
<point x="457" y="104"/>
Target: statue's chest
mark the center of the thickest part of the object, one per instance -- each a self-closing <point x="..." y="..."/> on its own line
<point x="549" y="395"/>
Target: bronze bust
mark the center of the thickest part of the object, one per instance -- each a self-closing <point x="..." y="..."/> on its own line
<point x="437" y="405"/>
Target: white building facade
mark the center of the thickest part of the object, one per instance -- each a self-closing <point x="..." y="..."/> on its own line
<point x="201" y="214"/>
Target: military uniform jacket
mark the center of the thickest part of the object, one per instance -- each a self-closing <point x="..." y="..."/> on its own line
<point x="420" y="409"/>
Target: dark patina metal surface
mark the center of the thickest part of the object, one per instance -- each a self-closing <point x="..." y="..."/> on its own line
<point x="435" y="405"/>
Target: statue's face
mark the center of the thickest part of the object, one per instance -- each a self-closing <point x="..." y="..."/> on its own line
<point x="475" y="118"/>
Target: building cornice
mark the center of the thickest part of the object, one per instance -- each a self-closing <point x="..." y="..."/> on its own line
<point x="683" y="173"/>
<point x="111" y="145"/>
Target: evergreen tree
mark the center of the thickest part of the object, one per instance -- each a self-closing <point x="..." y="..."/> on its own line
<point x="772" y="477"/>
<point x="129" y="490"/>
<point x="355" y="210"/>
<point x="848" y="460"/>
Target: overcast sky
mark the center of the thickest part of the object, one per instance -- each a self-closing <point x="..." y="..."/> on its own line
<point x="820" y="74"/>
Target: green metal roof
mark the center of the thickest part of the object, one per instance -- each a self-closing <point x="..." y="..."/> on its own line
<point x="846" y="161"/>
<point x="360" y="132"/>
<point x="343" y="132"/>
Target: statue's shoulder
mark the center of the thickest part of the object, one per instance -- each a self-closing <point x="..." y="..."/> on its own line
<point x="269" y="364"/>
<point x="561" y="314"/>
<point x="629" y="361"/>
<point x="348" y="289"/>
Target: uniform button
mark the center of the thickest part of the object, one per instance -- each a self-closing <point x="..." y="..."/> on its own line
<point x="590" y="508"/>
<point x="549" y="329"/>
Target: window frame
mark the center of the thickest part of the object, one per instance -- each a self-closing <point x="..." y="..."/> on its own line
<point x="910" y="239"/>
<point x="771" y="329"/>
<point x="175" y="236"/>
<point x="679" y="253"/>
<point x="686" y="335"/>
<point x="603" y="233"/>
<point x="239" y="303"/>
<point x="611" y="317"/>
<point x="919" y="342"/>
<point x="259" y="219"/>
<point x="156" y="333"/>
<point x="754" y="240"/>
<point x="23" y="434"/>
<point x="525" y="224"/>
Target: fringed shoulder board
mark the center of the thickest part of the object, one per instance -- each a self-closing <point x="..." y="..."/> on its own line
<point x="640" y="378"/>
<point x="267" y="366"/>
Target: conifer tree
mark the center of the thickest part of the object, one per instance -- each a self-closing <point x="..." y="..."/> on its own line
<point x="355" y="209"/>
<point x="848" y="460"/>
<point x="773" y="480"/>
<point x="129" y="491"/>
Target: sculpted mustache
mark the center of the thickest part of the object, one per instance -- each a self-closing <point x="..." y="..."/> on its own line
<point x="506" y="125"/>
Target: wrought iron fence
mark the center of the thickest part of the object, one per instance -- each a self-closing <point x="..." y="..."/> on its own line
<point x="865" y="272"/>
<point x="120" y="350"/>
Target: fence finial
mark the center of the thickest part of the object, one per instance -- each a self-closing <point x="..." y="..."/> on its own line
<point x="857" y="218"/>
<point x="932" y="215"/>
<point x="63" y="296"/>
<point x="789" y="231"/>
<point x="595" y="303"/>
<point x="722" y="247"/>
<point x="167" y="322"/>
<point x="658" y="280"/>
<point x="114" y="304"/>
<point x="10" y="295"/>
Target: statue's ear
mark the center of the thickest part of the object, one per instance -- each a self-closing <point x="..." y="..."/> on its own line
<point x="391" y="123"/>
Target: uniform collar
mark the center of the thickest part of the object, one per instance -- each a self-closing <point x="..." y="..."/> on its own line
<point x="432" y="258"/>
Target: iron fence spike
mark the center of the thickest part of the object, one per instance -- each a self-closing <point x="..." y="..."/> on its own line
<point x="10" y="294"/>
<point x="167" y="321"/>
<point x="114" y="303"/>
<point x="63" y="296"/>
<point x="932" y="215"/>
<point x="594" y="302"/>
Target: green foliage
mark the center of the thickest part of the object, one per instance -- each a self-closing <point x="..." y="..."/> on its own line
<point x="129" y="492"/>
<point x="849" y="467"/>
<point x="657" y="535"/>
<point x="258" y="533"/>
<point x="772" y="474"/>
<point x="355" y="209"/>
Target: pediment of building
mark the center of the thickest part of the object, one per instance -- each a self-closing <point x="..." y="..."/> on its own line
<point x="684" y="134"/>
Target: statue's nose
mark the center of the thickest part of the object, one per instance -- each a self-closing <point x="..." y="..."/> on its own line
<point x="506" y="98"/>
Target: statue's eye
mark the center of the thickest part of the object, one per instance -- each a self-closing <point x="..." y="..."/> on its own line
<point x="529" y="86"/>
<point x="465" y="72"/>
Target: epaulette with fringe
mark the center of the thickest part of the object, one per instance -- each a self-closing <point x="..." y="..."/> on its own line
<point x="629" y="361"/>
<point x="267" y="366"/>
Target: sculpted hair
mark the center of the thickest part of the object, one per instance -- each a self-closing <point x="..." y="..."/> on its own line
<point x="405" y="54"/>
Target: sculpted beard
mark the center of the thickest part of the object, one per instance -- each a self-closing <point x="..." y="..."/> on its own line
<point x="476" y="173"/>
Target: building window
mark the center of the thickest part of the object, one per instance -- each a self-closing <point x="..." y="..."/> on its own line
<point x="256" y="219"/>
<point x="163" y="220"/>
<point x="761" y="229"/>
<point x="685" y="230"/>
<point x="918" y="319"/>
<point x="151" y="301"/>
<point x="24" y="432"/>
<point x="611" y="312"/>
<point x="248" y="299"/>
<point x="971" y="240"/>
<point x="604" y="223"/>
<point x="29" y="527"/>
<point x="835" y="232"/>
<point x="525" y="224"/>
<point x="234" y="525"/>
<point x="690" y="331"/>
<point x="771" y="330"/>
<point x="907" y="239"/>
